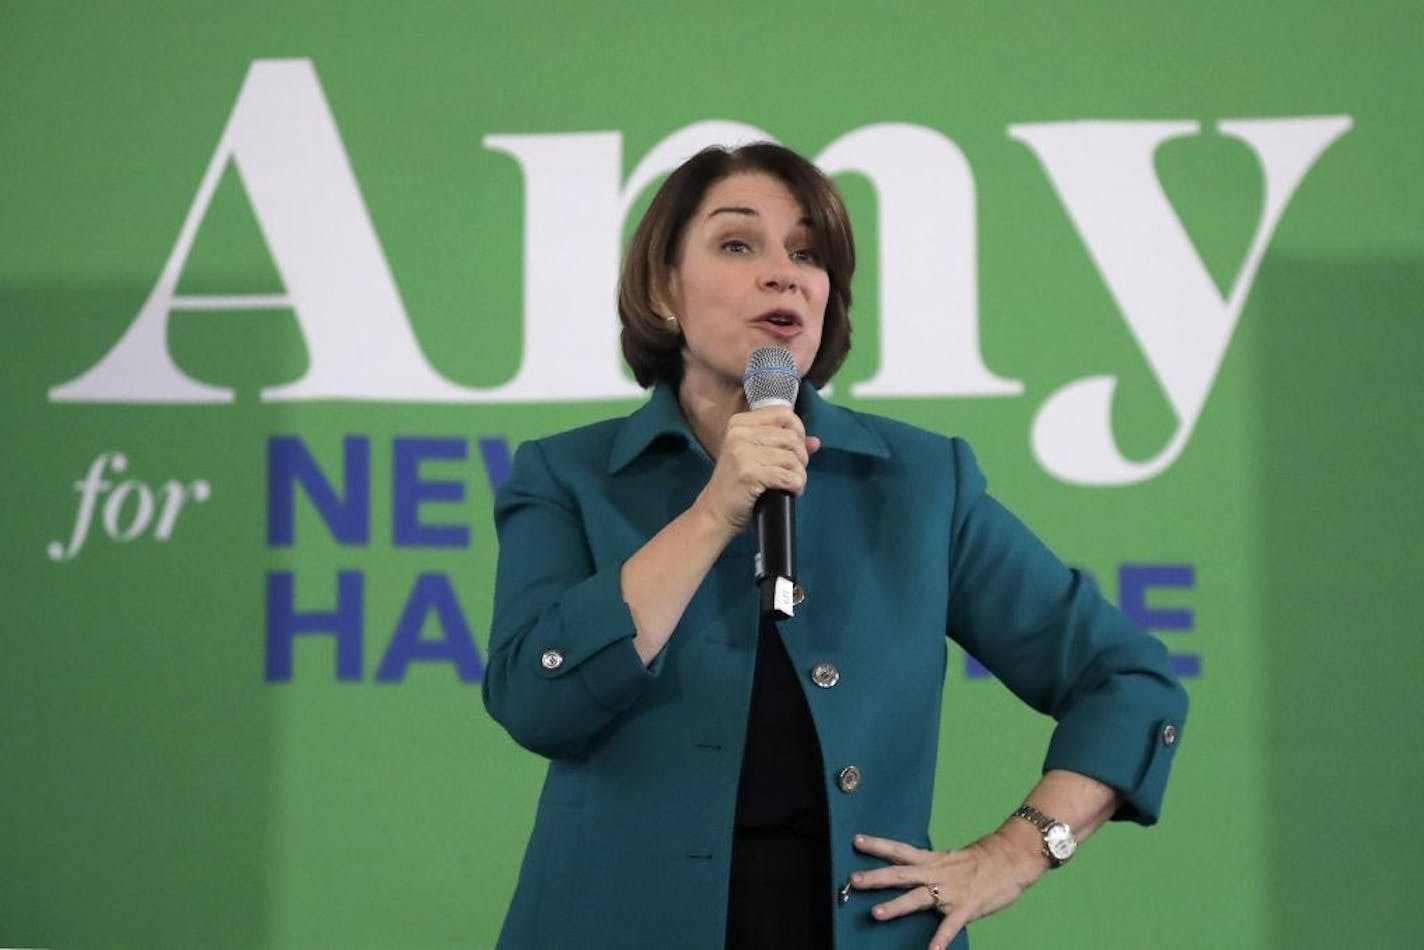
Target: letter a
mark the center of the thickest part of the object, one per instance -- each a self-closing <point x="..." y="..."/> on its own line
<point x="283" y="139"/>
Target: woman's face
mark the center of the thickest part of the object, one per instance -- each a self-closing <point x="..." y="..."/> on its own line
<point x="747" y="277"/>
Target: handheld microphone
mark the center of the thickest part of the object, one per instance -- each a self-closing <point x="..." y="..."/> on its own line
<point x="771" y="380"/>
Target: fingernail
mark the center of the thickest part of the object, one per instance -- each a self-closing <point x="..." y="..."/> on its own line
<point x="856" y="879"/>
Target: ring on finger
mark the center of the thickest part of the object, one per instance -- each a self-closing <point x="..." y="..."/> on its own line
<point x="936" y="895"/>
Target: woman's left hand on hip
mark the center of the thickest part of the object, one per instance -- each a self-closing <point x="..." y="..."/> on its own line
<point x="962" y="885"/>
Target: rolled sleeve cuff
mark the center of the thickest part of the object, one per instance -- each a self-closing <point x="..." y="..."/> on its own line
<point x="1133" y="759"/>
<point x="605" y="661"/>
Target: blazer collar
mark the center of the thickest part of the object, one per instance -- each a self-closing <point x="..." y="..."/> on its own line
<point x="838" y="428"/>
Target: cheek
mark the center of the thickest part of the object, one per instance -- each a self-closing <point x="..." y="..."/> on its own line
<point x="822" y="299"/>
<point x="816" y="332"/>
<point x="704" y="297"/>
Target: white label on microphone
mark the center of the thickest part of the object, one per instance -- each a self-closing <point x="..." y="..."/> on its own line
<point x="782" y="597"/>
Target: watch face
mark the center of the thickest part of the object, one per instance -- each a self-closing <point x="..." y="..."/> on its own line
<point x="1059" y="841"/>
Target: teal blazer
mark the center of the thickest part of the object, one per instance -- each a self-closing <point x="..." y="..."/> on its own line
<point x="900" y="545"/>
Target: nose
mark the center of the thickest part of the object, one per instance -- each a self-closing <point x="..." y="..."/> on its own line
<point x="780" y="274"/>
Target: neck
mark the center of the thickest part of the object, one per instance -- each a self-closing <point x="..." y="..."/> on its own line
<point x="707" y="408"/>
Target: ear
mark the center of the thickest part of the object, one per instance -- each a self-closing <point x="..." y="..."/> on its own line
<point x="667" y="300"/>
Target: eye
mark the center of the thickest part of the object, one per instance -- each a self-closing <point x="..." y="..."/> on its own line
<point x="735" y="246"/>
<point x="807" y="255"/>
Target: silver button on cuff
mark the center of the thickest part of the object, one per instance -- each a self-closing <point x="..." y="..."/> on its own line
<point x="798" y="594"/>
<point x="825" y="675"/>
<point x="551" y="660"/>
<point x="848" y="779"/>
<point x="1169" y="734"/>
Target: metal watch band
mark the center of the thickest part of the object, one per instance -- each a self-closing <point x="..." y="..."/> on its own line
<point x="1042" y="822"/>
<point x="1034" y="817"/>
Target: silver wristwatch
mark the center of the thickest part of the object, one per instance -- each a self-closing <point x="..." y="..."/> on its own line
<point x="1058" y="841"/>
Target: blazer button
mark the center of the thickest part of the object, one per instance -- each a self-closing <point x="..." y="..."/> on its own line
<point x="825" y="675"/>
<point x="848" y="779"/>
<point x="798" y="594"/>
<point x="1169" y="734"/>
<point x="551" y="660"/>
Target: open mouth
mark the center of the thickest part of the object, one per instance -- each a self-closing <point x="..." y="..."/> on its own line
<point x="780" y="319"/>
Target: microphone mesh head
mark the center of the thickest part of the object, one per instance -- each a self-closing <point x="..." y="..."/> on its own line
<point x="771" y="379"/>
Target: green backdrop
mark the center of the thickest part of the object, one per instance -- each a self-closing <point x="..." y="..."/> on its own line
<point x="167" y="780"/>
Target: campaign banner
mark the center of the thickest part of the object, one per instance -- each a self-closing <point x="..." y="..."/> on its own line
<point x="285" y="285"/>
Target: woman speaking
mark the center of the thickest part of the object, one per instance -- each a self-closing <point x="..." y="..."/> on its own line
<point x="721" y="775"/>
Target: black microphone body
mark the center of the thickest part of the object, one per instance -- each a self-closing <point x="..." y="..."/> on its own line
<point x="775" y="516"/>
<point x="771" y="380"/>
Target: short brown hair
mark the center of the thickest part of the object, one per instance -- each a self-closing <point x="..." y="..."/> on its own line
<point x="654" y="353"/>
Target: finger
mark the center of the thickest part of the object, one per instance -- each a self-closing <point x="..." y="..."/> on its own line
<point x="781" y="479"/>
<point x="792" y="480"/>
<point x="790" y="445"/>
<point x="911" y="902"/>
<point x="788" y="455"/>
<point x="783" y="417"/>
<point x="767" y="428"/>
<point x="781" y="439"/>
<point x="948" y="929"/>
<point x="751" y="459"/>
<point x="774" y="415"/>
<point x="802" y="450"/>
<point x="813" y="445"/>
<point x="891" y="850"/>
<point x="790" y="460"/>
<point x="897" y="875"/>
<point x="759" y="479"/>
<point x="769" y="468"/>
<point x="766" y="437"/>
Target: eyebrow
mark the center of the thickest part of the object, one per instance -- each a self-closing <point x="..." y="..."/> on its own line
<point x="748" y="212"/>
<point x="805" y="221"/>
